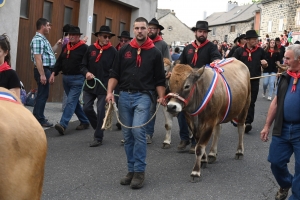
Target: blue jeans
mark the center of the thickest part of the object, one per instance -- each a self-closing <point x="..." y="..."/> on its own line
<point x="96" y="120"/>
<point x="151" y="124"/>
<point x="183" y="128"/>
<point x="269" y="81"/>
<point x="42" y="95"/>
<point x="281" y="149"/>
<point x="134" y="110"/>
<point x="72" y="86"/>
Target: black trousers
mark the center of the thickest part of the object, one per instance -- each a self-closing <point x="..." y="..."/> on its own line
<point x="254" y="92"/>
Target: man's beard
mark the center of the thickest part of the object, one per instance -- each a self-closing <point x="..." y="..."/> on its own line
<point x="201" y="39"/>
<point x="152" y="36"/>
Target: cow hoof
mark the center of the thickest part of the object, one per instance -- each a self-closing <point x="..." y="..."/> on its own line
<point x="239" y="156"/>
<point x="166" y="146"/>
<point x="195" y="179"/>
<point x="203" y="165"/>
<point x="211" y="159"/>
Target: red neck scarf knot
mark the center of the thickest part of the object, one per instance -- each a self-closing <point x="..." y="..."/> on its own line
<point x="70" y="48"/>
<point x="250" y="52"/>
<point x="271" y="52"/>
<point x="148" y="44"/>
<point x="296" y="76"/>
<point x="195" y="58"/>
<point x="96" y="44"/>
<point x="4" y="67"/>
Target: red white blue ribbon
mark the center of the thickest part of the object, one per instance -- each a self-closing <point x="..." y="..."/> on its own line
<point x="7" y="97"/>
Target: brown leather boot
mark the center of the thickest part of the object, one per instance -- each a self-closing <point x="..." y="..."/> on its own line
<point x="127" y="179"/>
<point x="137" y="181"/>
<point x="282" y="194"/>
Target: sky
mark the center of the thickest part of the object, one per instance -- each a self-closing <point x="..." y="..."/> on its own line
<point x="190" y="11"/>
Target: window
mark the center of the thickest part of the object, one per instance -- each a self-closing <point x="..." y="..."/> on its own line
<point x="225" y="38"/>
<point x="24" y="8"/>
<point x="213" y="32"/>
<point x="94" y="28"/>
<point x="280" y="27"/>
<point x="47" y="11"/>
<point x="232" y="28"/>
<point x="270" y="26"/>
<point x="170" y="28"/>
<point x="298" y="17"/>
<point x="68" y="15"/>
<point x="108" y="22"/>
<point x="122" y="27"/>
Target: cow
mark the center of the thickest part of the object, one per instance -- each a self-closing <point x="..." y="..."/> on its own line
<point x="207" y="100"/>
<point x="23" y="148"/>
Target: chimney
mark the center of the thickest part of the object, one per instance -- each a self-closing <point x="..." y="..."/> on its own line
<point x="204" y="15"/>
<point x="173" y="13"/>
<point x="231" y="5"/>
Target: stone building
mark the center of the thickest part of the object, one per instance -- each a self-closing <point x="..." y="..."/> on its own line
<point x="279" y="15"/>
<point x="18" y="18"/>
<point x="226" y="26"/>
<point x="175" y="33"/>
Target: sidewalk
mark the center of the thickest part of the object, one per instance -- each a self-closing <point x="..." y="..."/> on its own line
<point x="53" y="113"/>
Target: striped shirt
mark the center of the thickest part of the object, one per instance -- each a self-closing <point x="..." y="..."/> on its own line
<point x="40" y="45"/>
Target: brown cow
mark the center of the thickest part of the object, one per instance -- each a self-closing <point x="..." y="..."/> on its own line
<point x="188" y="87"/>
<point x="23" y="148"/>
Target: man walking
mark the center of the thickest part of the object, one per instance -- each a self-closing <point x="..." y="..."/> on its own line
<point x="197" y="55"/>
<point x="43" y="57"/>
<point x="253" y="57"/>
<point x="96" y="63"/>
<point x="139" y="71"/>
<point x="69" y="63"/>
<point x="284" y="111"/>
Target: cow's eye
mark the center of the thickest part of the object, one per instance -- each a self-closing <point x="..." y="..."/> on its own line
<point x="186" y="87"/>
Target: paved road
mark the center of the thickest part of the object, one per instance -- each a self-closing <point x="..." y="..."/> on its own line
<point x="76" y="171"/>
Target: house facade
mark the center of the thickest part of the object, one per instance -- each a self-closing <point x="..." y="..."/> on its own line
<point x="175" y="32"/>
<point x="226" y="26"/>
<point x="18" y="18"/>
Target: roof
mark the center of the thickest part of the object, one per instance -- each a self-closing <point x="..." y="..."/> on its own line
<point x="235" y="15"/>
<point x="162" y="12"/>
<point x="267" y="1"/>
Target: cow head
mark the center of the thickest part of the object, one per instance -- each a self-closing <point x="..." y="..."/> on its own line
<point x="182" y="86"/>
<point x="167" y="65"/>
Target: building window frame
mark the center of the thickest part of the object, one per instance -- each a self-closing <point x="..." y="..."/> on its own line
<point x="280" y="24"/>
<point x="232" y="29"/>
<point x="297" y="19"/>
<point x="24" y="9"/>
<point x="213" y="32"/>
<point x="94" y="23"/>
<point x="270" y="22"/>
<point x="66" y="21"/>
<point x="122" y="26"/>
<point x="49" y="13"/>
<point x="108" y="22"/>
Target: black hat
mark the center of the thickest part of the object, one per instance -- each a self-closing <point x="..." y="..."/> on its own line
<point x="236" y="39"/>
<point x="202" y="25"/>
<point x="66" y="28"/>
<point x="251" y="34"/>
<point x="155" y="22"/>
<point x="74" y="30"/>
<point x="277" y="39"/>
<point x="104" y="29"/>
<point x="297" y="42"/>
<point x="125" y="34"/>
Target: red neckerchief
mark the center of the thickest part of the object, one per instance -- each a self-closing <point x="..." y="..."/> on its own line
<point x="148" y="44"/>
<point x="250" y="52"/>
<point x="157" y="38"/>
<point x="240" y="45"/>
<point x="118" y="47"/>
<point x="279" y="46"/>
<point x="4" y="67"/>
<point x="295" y="76"/>
<point x="69" y="48"/>
<point x="195" y="58"/>
<point x="96" y="44"/>
<point x="271" y="51"/>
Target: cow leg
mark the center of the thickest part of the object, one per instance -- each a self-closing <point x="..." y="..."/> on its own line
<point x="168" y="127"/>
<point x="212" y="156"/>
<point x="240" y="149"/>
<point x="200" y="152"/>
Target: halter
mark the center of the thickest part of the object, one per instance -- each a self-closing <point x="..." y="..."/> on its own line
<point x="8" y="97"/>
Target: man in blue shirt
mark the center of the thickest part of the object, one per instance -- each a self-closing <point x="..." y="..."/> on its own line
<point x="176" y="54"/>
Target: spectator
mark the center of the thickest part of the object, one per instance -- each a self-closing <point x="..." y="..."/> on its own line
<point x="281" y="49"/>
<point x="43" y="57"/>
<point x="284" y="111"/>
<point x="176" y="54"/>
<point x="139" y="70"/>
<point x="8" y="76"/>
<point x="69" y="63"/>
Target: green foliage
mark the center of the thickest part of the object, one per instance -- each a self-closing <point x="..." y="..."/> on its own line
<point x="256" y="1"/>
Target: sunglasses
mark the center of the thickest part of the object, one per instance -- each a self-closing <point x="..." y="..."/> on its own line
<point x="124" y="41"/>
<point x="106" y="36"/>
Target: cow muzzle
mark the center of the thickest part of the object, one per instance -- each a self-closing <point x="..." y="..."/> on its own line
<point x="174" y="107"/>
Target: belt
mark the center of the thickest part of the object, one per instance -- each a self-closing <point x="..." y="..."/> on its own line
<point x="48" y="67"/>
<point x="132" y="91"/>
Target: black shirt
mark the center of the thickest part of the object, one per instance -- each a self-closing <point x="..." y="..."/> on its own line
<point x="100" y="69"/>
<point x="232" y="50"/>
<point x="281" y="53"/>
<point x="271" y="62"/>
<point x="71" y="65"/>
<point x="254" y="66"/>
<point x="145" y="77"/>
<point x="9" y="79"/>
<point x="207" y="54"/>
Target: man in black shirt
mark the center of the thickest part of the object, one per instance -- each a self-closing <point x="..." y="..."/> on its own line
<point x="69" y="63"/>
<point x="253" y="57"/>
<point x="197" y="55"/>
<point x="139" y="71"/>
<point x="96" y="63"/>
<point x="281" y="49"/>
